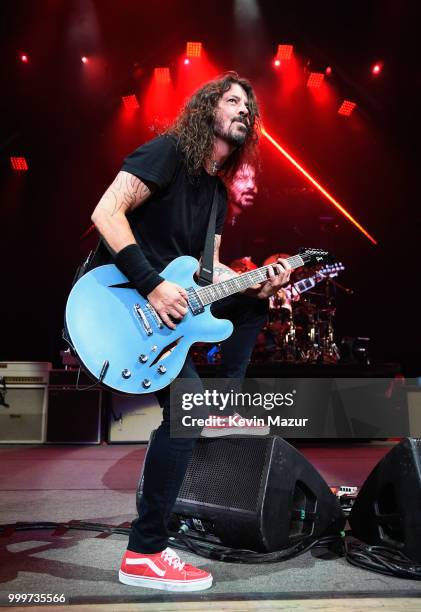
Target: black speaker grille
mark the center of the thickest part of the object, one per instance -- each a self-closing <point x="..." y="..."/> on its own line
<point x="228" y="475"/>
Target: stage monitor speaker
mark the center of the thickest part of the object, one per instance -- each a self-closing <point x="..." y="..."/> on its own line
<point x="387" y="511"/>
<point x="74" y="417"/>
<point x="259" y="494"/>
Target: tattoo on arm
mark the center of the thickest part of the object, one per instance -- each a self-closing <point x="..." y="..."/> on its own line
<point x="217" y="243"/>
<point x="126" y="192"/>
<point x="221" y="269"/>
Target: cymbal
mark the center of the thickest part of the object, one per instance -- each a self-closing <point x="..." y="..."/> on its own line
<point x="244" y="264"/>
<point x="274" y="258"/>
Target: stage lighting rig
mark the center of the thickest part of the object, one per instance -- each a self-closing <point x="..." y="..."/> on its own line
<point x="315" y="79"/>
<point x="130" y="102"/>
<point x="284" y="52"/>
<point x="347" y="108"/>
<point x="162" y="75"/>
<point x="376" y="69"/>
<point x="193" y="49"/>
<point x="19" y="163"/>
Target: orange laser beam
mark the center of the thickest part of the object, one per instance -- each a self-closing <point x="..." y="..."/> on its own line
<point x="318" y="186"/>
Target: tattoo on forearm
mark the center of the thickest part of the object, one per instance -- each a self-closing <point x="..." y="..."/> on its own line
<point x="217" y="243"/>
<point x="220" y="270"/>
<point x="125" y="192"/>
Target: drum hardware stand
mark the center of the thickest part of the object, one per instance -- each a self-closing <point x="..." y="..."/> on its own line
<point x="291" y="350"/>
<point x="329" y="351"/>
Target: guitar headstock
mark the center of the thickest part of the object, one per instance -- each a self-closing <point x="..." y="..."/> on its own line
<point x="331" y="270"/>
<point x="315" y="257"/>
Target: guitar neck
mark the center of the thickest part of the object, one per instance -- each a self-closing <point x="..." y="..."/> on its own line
<point x="217" y="291"/>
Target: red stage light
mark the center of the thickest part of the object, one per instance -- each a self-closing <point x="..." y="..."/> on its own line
<point x="162" y="75"/>
<point x="84" y="59"/>
<point x="186" y="61"/>
<point x="193" y="49"/>
<point x="130" y="102"/>
<point x="315" y="79"/>
<point x="19" y="164"/>
<point x="24" y="58"/>
<point x="277" y="63"/>
<point x="318" y="185"/>
<point x="377" y="68"/>
<point x="346" y="108"/>
<point x="328" y="71"/>
<point x="284" y="52"/>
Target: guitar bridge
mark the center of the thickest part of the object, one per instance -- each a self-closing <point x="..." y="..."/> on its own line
<point x="143" y="319"/>
<point x="155" y="315"/>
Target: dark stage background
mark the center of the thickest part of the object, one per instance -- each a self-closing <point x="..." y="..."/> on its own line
<point x="68" y="120"/>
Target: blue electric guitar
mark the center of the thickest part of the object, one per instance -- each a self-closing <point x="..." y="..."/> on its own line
<point x="120" y="339"/>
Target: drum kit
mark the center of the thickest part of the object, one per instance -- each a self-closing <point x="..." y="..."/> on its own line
<point x="300" y="327"/>
<point x="300" y="324"/>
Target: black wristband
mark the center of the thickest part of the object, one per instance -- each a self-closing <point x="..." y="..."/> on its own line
<point x="132" y="262"/>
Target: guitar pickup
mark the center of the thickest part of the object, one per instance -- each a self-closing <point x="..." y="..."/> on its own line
<point x="194" y="302"/>
<point x="141" y="315"/>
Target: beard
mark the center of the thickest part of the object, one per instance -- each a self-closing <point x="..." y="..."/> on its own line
<point x="233" y="135"/>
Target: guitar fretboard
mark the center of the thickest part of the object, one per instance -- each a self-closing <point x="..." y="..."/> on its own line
<point x="217" y="291"/>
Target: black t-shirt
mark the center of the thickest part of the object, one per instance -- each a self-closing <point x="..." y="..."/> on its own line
<point x="174" y="220"/>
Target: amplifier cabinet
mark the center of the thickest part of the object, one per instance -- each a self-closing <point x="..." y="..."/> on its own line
<point x="23" y="421"/>
<point x="25" y="372"/>
<point x="74" y="416"/>
<point x="132" y="418"/>
<point x="24" y="386"/>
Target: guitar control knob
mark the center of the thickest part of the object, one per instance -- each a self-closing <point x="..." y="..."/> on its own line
<point x="162" y="369"/>
<point x="146" y="383"/>
<point x="143" y="358"/>
<point x="126" y="373"/>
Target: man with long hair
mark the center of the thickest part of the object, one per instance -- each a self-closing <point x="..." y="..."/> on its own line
<point x="242" y="191"/>
<point x="157" y="209"/>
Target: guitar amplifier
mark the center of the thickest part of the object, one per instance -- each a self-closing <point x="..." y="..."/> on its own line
<point x="23" y="389"/>
<point x="132" y="418"/>
<point x="74" y="409"/>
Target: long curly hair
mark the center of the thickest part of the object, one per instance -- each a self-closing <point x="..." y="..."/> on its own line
<point x="194" y="127"/>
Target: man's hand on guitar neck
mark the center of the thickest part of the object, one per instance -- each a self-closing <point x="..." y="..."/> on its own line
<point x="278" y="275"/>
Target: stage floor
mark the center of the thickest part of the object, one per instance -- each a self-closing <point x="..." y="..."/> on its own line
<point x="98" y="483"/>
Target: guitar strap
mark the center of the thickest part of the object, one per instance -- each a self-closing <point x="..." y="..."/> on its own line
<point x="206" y="269"/>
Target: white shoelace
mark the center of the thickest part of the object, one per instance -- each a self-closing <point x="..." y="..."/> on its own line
<point x="171" y="557"/>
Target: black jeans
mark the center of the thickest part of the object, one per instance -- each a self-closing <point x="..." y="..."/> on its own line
<point x="167" y="458"/>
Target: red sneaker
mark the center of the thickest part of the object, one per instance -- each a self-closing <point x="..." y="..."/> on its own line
<point x="163" y="570"/>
